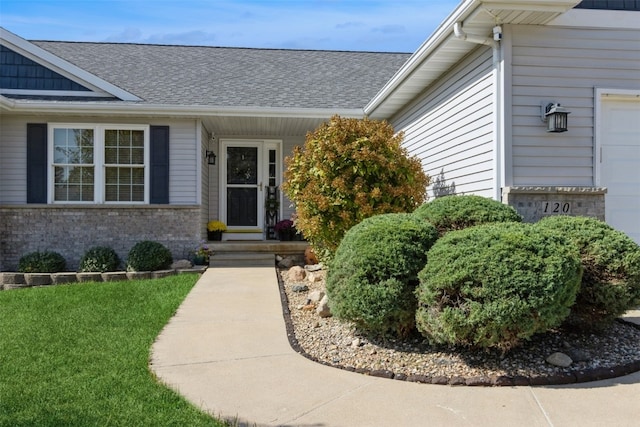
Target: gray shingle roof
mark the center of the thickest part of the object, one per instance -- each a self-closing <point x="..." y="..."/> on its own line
<point x="235" y="77"/>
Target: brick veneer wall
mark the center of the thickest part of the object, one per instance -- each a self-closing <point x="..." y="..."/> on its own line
<point x="71" y="230"/>
<point x="534" y="203"/>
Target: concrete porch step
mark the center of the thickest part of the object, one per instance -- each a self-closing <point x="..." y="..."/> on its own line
<point x="242" y="259"/>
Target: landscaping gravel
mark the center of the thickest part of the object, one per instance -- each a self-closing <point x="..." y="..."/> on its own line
<point x="610" y="353"/>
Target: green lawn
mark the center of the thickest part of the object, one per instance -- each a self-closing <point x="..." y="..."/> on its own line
<point x="78" y="355"/>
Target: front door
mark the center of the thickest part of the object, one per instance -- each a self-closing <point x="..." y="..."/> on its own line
<point x="249" y="168"/>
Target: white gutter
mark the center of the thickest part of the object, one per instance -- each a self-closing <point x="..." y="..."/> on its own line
<point x="461" y="35"/>
<point x="498" y="101"/>
<point x="120" y="108"/>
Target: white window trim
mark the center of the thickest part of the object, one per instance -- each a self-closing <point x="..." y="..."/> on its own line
<point x="98" y="160"/>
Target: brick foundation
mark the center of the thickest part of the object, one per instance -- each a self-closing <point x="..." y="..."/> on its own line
<point x="534" y="203"/>
<point x="72" y="230"/>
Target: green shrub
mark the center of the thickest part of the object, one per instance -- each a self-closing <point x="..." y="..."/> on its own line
<point x="458" y="212"/>
<point x="148" y="256"/>
<point x="349" y="170"/>
<point x="372" y="279"/>
<point x="494" y="285"/>
<point x="42" y="262"/>
<point x="611" y="262"/>
<point x="100" y="259"/>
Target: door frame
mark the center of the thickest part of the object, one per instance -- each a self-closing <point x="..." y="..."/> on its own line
<point x="263" y="145"/>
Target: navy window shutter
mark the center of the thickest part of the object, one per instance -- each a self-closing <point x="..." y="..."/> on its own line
<point x="159" y="154"/>
<point x="37" y="163"/>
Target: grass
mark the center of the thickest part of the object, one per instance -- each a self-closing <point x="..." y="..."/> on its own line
<point x="78" y="355"/>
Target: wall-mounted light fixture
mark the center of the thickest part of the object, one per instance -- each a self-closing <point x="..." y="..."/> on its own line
<point x="555" y="116"/>
<point x="211" y="157"/>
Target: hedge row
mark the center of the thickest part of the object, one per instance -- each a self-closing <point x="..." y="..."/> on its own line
<point x="488" y="281"/>
<point x="143" y="256"/>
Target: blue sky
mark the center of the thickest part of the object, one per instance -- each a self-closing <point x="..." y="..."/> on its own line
<point x="367" y="25"/>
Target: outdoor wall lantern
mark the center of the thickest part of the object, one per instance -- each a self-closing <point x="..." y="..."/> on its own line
<point x="555" y="116"/>
<point x="211" y="157"/>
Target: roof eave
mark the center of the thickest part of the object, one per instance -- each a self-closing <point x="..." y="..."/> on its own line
<point x="383" y="105"/>
<point x="138" y="109"/>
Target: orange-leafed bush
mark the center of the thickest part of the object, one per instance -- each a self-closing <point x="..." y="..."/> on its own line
<point x="349" y="170"/>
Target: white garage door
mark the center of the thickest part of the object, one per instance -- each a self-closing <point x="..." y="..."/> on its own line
<point x="620" y="164"/>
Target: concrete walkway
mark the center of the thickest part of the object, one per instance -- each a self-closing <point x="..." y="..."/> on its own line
<point x="226" y="350"/>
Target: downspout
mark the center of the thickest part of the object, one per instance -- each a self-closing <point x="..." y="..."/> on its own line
<point x="498" y="140"/>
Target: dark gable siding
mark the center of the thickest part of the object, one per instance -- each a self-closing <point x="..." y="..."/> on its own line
<point x="19" y="72"/>
<point x="159" y="153"/>
<point x="610" y="4"/>
<point x="37" y="163"/>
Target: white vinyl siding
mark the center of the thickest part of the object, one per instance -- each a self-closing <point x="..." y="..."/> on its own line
<point x="13" y="160"/>
<point x="450" y="127"/>
<point x="13" y="155"/>
<point x="564" y="65"/>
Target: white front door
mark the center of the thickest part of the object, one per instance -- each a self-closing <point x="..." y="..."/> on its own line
<point x="620" y="164"/>
<point x="246" y="171"/>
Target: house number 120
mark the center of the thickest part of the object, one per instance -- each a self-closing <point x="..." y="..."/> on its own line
<point x="557" y="207"/>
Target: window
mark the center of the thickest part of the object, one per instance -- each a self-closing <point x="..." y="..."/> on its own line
<point x="73" y="165"/>
<point x="124" y="165"/>
<point x="99" y="164"/>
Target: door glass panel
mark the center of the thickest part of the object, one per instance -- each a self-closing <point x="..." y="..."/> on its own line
<point x="242" y="165"/>
<point x="242" y="206"/>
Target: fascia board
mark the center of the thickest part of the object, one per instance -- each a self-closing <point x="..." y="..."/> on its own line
<point x="132" y="109"/>
<point x="65" y="68"/>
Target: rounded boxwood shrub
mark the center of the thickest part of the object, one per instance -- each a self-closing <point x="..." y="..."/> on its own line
<point x="99" y="259"/>
<point x="148" y="256"/>
<point x="372" y="279"/>
<point x="42" y="262"/>
<point x="611" y="262"/>
<point x="494" y="285"/>
<point x="458" y="212"/>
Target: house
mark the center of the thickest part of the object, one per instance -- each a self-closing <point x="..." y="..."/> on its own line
<point x="110" y="144"/>
<point x="472" y="99"/>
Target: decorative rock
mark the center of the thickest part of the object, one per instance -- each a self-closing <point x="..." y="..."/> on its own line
<point x="89" y="277"/>
<point x="559" y="359"/>
<point x="314" y="277"/>
<point x="297" y="273"/>
<point x="312" y="268"/>
<point x="37" y="279"/>
<point x="323" y="309"/>
<point x="356" y="343"/>
<point x="286" y="262"/>
<point x="181" y="264"/>
<point x="316" y="296"/>
<point x="299" y="288"/>
<point x="59" y="278"/>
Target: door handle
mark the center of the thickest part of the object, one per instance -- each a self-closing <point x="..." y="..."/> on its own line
<point x="260" y="186"/>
